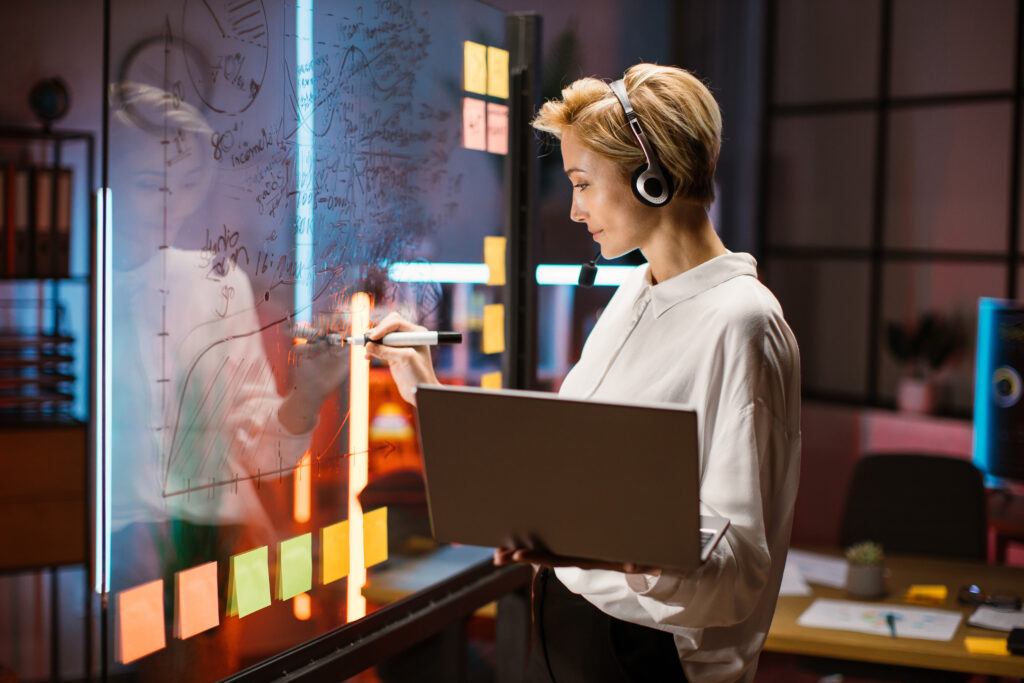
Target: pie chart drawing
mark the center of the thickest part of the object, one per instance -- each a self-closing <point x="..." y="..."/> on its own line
<point x="233" y="35"/>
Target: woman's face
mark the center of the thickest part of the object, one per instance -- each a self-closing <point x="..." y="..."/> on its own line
<point x="601" y="198"/>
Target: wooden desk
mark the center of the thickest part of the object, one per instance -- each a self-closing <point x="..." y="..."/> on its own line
<point x="786" y="636"/>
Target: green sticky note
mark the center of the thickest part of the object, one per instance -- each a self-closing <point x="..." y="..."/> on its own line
<point x="248" y="582"/>
<point x="294" y="566"/>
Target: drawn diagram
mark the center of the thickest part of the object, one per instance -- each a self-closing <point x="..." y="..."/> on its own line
<point x="207" y="210"/>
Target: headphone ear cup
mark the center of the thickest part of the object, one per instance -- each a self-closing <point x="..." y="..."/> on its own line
<point x="654" y="185"/>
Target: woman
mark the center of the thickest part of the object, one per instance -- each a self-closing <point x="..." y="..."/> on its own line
<point x="692" y="326"/>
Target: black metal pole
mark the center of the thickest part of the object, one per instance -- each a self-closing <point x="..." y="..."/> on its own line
<point x="522" y="36"/>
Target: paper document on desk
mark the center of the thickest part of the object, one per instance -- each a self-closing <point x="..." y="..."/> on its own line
<point x="818" y="568"/>
<point x="910" y="622"/>
<point x="793" y="581"/>
<point x="996" y="619"/>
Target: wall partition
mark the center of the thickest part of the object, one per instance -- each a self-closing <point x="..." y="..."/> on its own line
<point x="281" y="175"/>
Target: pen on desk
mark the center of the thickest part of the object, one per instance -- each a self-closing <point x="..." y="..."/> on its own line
<point x="891" y="620"/>
<point x="409" y="339"/>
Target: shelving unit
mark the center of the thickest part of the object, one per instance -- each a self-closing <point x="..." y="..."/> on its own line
<point x="45" y="346"/>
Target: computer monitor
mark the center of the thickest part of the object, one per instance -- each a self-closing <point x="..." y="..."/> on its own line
<point x="999" y="390"/>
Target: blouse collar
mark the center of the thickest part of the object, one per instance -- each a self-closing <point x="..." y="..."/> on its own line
<point x="698" y="279"/>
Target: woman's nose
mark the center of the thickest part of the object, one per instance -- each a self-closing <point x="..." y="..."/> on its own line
<point x="576" y="213"/>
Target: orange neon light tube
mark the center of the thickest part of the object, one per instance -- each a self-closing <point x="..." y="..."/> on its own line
<point x="358" y="461"/>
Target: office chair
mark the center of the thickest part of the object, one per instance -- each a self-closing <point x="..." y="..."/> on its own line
<point x="917" y="505"/>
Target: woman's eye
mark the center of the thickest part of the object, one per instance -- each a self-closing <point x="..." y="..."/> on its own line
<point x="580" y="186"/>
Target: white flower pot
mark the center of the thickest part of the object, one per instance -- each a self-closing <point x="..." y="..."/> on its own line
<point x="865" y="581"/>
<point x="915" y="395"/>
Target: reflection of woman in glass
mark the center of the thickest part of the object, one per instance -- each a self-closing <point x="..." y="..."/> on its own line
<point x="197" y="419"/>
<point x="692" y="326"/>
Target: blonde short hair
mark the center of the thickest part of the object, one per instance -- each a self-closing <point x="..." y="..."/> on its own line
<point x="678" y="115"/>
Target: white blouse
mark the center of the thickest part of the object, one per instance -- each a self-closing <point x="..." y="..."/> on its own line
<point x="714" y="339"/>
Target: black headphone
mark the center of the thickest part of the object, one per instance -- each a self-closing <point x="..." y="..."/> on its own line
<point x="650" y="183"/>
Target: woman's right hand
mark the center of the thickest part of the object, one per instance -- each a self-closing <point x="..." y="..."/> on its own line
<point x="410" y="365"/>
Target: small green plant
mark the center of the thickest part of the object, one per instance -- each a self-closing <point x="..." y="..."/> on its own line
<point x="925" y="347"/>
<point x="865" y="553"/>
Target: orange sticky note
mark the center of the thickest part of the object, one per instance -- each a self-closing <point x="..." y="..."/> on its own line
<point x="334" y="552"/>
<point x="494" y="257"/>
<point x="375" y="536"/>
<point x="986" y="646"/>
<point x="474" y="56"/>
<point x="140" y="621"/>
<point x="497" y="128"/>
<point x="195" y="605"/>
<point x="494" y="329"/>
<point x="497" y="72"/>
<point x="249" y="582"/>
<point x="492" y="380"/>
<point x="474" y="126"/>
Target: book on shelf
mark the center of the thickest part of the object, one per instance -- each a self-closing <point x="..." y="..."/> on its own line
<point x="42" y="223"/>
<point x="62" y="226"/>
<point x="35" y="221"/>
<point x="21" y="262"/>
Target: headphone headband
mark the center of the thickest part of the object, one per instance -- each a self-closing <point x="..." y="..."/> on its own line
<point x="650" y="184"/>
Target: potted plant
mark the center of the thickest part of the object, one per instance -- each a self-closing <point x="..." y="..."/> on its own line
<point x="865" y="573"/>
<point x="923" y="349"/>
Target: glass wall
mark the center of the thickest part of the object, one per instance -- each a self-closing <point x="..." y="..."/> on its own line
<point x="282" y="175"/>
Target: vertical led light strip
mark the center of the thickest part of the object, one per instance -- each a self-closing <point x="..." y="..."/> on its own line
<point x="102" y="401"/>
<point x="302" y="506"/>
<point x="988" y="312"/>
<point x="358" y="460"/>
<point x="305" y="152"/>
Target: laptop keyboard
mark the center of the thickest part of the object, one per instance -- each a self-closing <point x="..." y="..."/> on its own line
<point x="705" y="536"/>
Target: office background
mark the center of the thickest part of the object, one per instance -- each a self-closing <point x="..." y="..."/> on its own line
<point x="871" y="161"/>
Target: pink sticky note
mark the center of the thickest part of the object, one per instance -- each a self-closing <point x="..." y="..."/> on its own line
<point x="497" y="128"/>
<point x="474" y="127"/>
<point x="195" y="607"/>
<point x="140" y="621"/>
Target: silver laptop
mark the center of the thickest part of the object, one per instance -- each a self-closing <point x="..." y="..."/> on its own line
<point x="604" y="481"/>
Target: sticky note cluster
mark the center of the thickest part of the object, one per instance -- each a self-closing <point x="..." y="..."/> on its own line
<point x="485" y="72"/>
<point x="139" y="611"/>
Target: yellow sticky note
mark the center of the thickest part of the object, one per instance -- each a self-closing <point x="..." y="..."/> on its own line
<point x="140" y="621"/>
<point x="494" y="328"/>
<point x="375" y="536"/>
<point x="474" y="57"/>
<point x="249" y="582"/>
<point x="497" y="128"/>
<point x="294" y="567"/>
<point x="926" y="594"/>
<point x="986" y="646"/>
<point x="492" y="380"/>
<point x="474" y="124"/>
<point x="497" y="72"/>
<point x="334" y="552"/>
<point x="494" y="257"/>
<point x="195" y="605"/>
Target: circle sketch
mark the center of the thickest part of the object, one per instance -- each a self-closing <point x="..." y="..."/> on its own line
<point x="234" y="36"/>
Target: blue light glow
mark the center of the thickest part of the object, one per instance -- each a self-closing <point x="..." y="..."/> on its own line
<point x="983" y="366"/>
<point x="305" y="162"/>
<point x="607" y="276"/>
<point x="102" y="360"/>
<point x="443" y="273"/>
